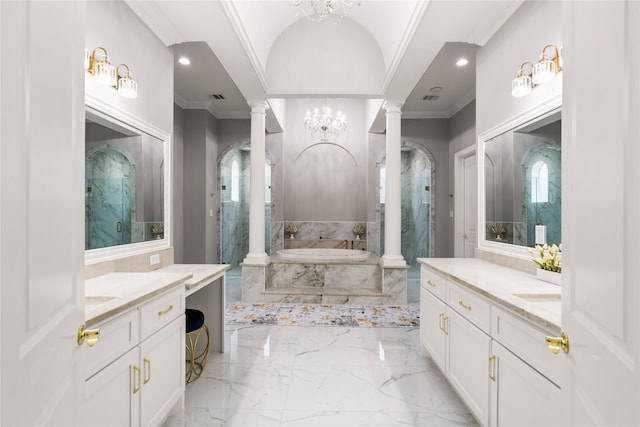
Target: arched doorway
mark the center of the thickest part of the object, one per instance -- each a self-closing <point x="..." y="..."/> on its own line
<point x="417" y="204"/>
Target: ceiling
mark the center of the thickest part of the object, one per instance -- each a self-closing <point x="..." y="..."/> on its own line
<point x="399" y="50"/>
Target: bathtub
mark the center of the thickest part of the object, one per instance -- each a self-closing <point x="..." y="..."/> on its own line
<point x="325" y="254"/>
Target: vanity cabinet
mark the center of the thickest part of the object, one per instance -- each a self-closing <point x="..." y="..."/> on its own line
<point x="457" y="346"/>
<point x="496" y="361"/>
<point x="135" y="372"/>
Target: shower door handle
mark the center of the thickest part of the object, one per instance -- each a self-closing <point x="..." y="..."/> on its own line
<point x="119" y="227"/>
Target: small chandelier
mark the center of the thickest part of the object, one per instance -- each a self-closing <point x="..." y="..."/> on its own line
<point x="322" y="124"/>
<point x="319" y="10"/>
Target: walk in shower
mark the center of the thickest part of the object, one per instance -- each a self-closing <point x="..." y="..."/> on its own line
<point x="417" y="204"/>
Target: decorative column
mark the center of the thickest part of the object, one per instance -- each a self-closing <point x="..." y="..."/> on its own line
<point x="257" y="254"/>
<point x="392" y="213"/>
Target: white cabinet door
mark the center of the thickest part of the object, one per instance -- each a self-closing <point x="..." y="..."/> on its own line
<point x="162" y="362"/>
<point x="520" y="395"/>
<point x="432" y="324"/>
<point x="467" y="364"/>
<point x="112" y="396"/>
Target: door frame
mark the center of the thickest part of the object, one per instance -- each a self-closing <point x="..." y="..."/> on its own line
<point x="458" y="193"/>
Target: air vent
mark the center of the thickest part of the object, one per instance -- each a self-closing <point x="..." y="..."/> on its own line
<point x="216" y="96"/>
<point x="430" y="97"/>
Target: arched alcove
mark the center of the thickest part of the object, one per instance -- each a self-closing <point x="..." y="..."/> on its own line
<point x="325" y="184"/>
<point x="347" y="59"/>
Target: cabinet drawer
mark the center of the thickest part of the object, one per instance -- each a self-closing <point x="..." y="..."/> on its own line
<point x="117" y="336"/>
<point x="471" y="306"/>
<point x="528" y="343"/>
<point x="161" y="311"/>
<point x="433" y="282"/>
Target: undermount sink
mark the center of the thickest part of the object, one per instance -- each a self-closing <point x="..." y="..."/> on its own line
<point x="548" y="301"/>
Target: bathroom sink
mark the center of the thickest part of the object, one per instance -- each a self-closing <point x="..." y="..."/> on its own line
<point x="547" y="301"/>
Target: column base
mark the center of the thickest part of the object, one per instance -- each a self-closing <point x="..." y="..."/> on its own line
<point x="260" y="259"/>
<point x="390" y="261"/>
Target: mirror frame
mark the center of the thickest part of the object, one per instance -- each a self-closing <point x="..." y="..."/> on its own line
<point x="541" y="111"/>
<point x="93" y="256"/>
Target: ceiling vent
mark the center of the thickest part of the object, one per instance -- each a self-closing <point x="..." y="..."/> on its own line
<point x="216" y="96"/>
<point x="430" y="97"/>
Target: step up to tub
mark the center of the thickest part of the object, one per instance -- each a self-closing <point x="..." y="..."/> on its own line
<point x="323" y="295"/>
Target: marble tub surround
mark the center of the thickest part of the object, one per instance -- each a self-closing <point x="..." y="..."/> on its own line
<point x="317" y="230"/>
<point x="114" y="293"/>
<point x="517" y="291"/>
<point x="325" y="244"/>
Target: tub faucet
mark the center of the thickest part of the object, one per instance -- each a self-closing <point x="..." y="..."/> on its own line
<point x="346" y="244"/>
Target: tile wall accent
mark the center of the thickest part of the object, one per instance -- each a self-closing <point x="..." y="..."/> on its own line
<point x="133" y="263"/>
<point x="507" y="261"/>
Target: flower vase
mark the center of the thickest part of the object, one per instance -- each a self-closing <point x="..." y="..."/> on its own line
<point x="549" y="276"/>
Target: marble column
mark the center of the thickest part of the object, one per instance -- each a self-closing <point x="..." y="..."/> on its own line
<point x="257" y="254"/>
<point x="392" y="222"/>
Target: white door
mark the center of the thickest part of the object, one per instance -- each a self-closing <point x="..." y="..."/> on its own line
<point x="466" y="203"/>
<point x="41" y="210"/>
<point x="601" y="272"/>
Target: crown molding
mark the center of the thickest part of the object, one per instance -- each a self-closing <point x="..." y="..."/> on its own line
<point x="153" y="16"/>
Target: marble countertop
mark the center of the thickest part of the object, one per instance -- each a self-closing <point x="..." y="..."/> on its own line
<point x="114" y="293"/>
<point x="519" y="292"/>
<point x="201" y="274"/>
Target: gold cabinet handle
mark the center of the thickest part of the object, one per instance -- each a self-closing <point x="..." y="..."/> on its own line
<point x="91" y="335"/>
<point x="441" y="322"/>
<point x="557" y="343"/>
<point x="432" y="284"/>
<point x="492" y="367"/>
<point x="147" y="370"/>
<point x="446" y="324"/>
<point x="467" y="307"/>
<point x="163" y="312"/>
<point x="136" y="379"/>
<point x="464" y="236"/>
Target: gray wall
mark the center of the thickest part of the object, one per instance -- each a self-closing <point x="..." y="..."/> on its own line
<point x="178" y="185"/>
<point x="199" y="170"/>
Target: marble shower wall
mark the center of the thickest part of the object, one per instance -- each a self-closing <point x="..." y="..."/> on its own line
<point x="109" y="192"/>
<point x="546" y="213"/>
<point x="235" y="214"/>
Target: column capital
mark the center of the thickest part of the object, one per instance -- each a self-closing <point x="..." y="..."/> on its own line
<point x="393" y="106"/>
<point x="258" y="106"/>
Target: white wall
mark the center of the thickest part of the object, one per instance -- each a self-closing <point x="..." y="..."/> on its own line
<point x="534" y="25"/>
<point x="325" y="182"/>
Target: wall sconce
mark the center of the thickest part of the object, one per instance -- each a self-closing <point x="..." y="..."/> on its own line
<point x="522" y="85"/>
<point x="97" y="63"/>
<point x="127" y="87"/>
<point x="543" y="71"/>
<point x="546" y="68"/>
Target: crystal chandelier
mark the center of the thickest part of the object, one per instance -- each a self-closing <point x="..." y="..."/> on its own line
<point x="322" y="124"/>
<point x="319" y="10"/>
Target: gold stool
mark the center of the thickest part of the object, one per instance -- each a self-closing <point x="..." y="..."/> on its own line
<point x="195" y="361"/>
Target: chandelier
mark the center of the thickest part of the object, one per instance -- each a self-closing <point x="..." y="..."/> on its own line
<point x="319" y="10"/>
<point x="322" y="124"/>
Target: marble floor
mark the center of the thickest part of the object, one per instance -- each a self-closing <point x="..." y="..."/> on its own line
<point x="321" y="376"/>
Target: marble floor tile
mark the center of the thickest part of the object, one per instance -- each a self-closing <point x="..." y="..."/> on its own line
<point x="321" y="376"/>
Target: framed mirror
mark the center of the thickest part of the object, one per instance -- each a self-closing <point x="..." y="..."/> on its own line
<point x="126" y="193"/>
<point x="519" y="176"/>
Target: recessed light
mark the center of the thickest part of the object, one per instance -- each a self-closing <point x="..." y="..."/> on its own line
<point x="461" y="62"/>
<point x="184" y="60"/>
<point x="436" y="89"/>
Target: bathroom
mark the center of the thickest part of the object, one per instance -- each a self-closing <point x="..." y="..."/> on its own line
<point x="198" y="139"/>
